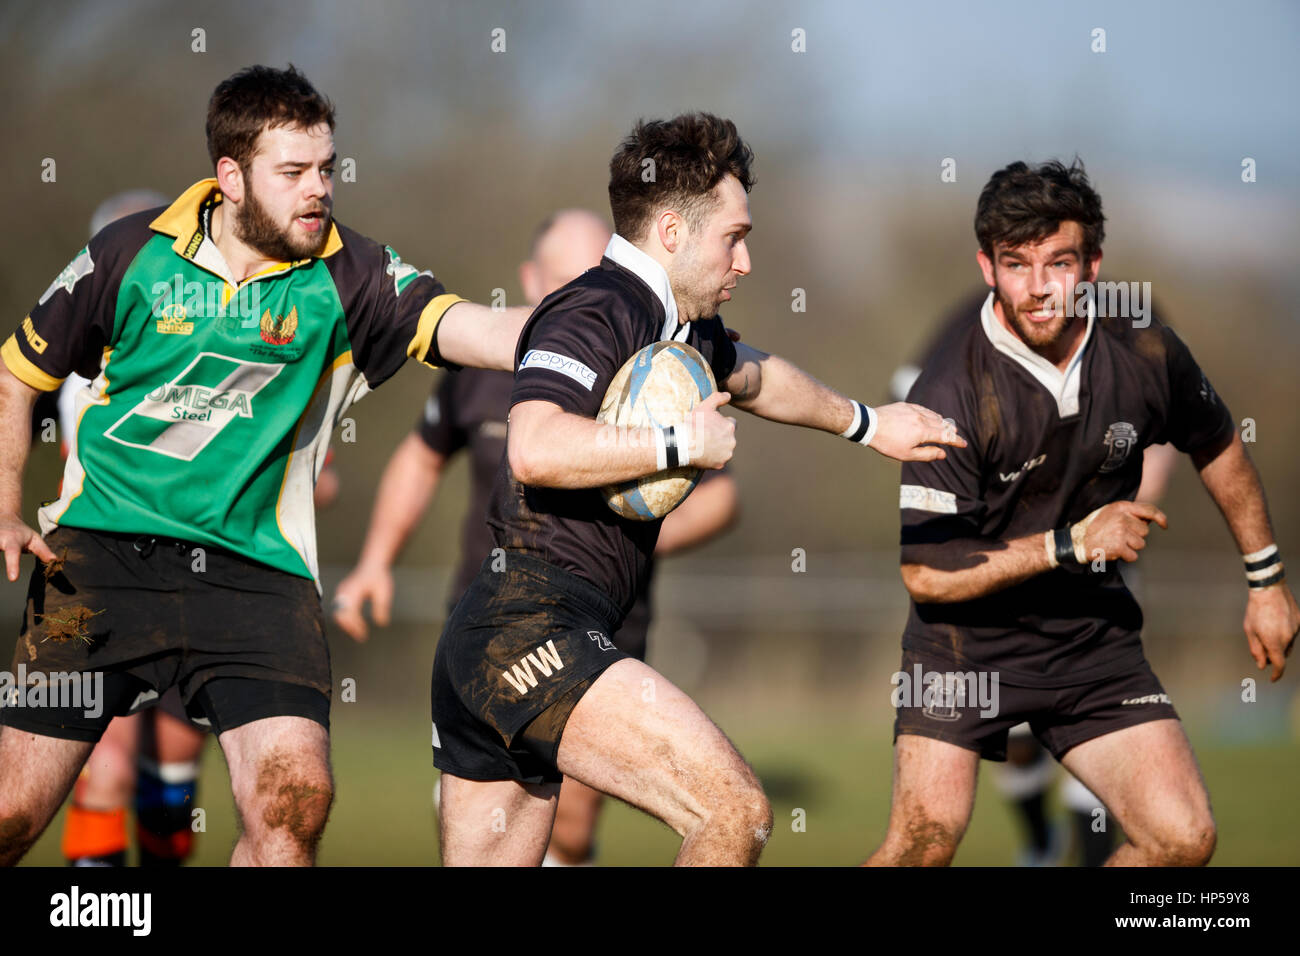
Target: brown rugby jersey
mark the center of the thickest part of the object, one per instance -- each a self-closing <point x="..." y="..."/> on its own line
<point x="467" y="411"/>
<point x="568" y="353"/>
<point x="1045" y="450"/>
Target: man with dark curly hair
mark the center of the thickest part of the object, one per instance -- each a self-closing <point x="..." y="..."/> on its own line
<point x="1011" y="545"/>
<point x="527" y="685"/>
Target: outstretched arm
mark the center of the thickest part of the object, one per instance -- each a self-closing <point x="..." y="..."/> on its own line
<point x="16" y="401"/>
<point x="772" y="388"/>
<point x="477" y="336"/>
<point x="1272" y="617"/>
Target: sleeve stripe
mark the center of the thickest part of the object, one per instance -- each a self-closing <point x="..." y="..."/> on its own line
<point x="921" y="498"/>
<point x="23" y="368"/>
<point x="428" y="326"/>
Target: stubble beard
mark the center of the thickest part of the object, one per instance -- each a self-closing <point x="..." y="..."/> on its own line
<point x="690" y="285"/>
<point x="1044" y="336"/>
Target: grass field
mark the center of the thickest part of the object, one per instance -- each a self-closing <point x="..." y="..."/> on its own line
<point x="383" y="813"/>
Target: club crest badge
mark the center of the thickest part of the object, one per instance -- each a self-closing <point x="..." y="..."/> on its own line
<point x="279" y="329"/>
<point x="1121" y="438"/>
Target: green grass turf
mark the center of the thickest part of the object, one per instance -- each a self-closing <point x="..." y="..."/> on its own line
<point x="837" y="773"/>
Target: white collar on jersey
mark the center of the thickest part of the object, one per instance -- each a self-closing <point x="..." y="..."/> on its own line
<point x="209" y="256"/>
<point x="652" y="274"/>
<point x="1064" y="386"/>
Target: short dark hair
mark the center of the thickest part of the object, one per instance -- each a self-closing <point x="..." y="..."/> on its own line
<point x="1023" y="204"/>
<point x="691" y="154"/>
<point x="258" y="98"/>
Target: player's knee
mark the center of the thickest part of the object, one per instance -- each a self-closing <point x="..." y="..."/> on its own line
<point x="745" y="810"/>
<point x="289" y="801"/>
<point x="298" y="808"/>
<point x="16" y="837"/>
<point x="1191" y="843"/>
<point x="923" y="841"/>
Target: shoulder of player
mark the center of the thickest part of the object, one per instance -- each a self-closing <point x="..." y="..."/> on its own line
<point x="597" y="294"/>
<point x="118" y="243"/>
<point x="1149" y="341"/>
<point x="358" y="252"/>
<point x="953" y="366"/>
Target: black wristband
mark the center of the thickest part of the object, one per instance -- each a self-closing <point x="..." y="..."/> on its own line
<point x="1268" y="581"/>
<point x="670" y="446"/>
<point x="1064" y="547"/>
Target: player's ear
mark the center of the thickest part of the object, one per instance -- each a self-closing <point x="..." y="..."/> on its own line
<point x="986" y="267"/>
<point x="671" y="230"/>
<point x="231" y="179"/>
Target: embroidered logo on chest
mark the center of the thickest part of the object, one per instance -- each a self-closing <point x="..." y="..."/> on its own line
<point x="1121" y="438"/>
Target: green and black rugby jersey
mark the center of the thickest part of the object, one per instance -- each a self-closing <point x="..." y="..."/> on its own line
<point x="211" y="401"/>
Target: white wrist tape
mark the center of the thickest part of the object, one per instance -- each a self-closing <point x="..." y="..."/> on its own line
<point x="1264" y="567"/>
<point x="685" y="437"/>
<point x="1077" y="531"/>
<point x="863" y="427"/>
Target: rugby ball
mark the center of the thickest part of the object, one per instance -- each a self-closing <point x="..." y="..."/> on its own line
<point x="656" y="387"/>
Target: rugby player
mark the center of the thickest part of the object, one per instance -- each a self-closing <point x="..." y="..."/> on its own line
<point x="1029" y="770"/>
<point x="527" y="685"/>
<point x="468" y="411"/>
<point x="224" y="336"/>
<point x="1010" y="546"/>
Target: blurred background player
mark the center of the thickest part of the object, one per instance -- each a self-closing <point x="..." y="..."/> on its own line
<point x="153" y="753"/>
<point x="1029" y="771"/>
<point x="468" y="410"/>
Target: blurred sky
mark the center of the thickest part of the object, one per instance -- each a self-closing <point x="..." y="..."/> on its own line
<point x="1182" y="93"/>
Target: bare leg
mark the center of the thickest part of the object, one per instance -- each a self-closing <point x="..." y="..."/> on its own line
<point x="109" y="780"/>
<point x="36" y="774"/>
<point x="635" y="736"/>
<point x="495" y="822"/>
<point x="280" y="774"/>
<point x="575" y="823"/>
<point x="1148" y="777"/>
<point x="934" y="794"/>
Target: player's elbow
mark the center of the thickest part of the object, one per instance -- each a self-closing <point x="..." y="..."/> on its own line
<point x="529" y="460"/>
<point x="920" y="583"/>
<point x="524" y="464"/>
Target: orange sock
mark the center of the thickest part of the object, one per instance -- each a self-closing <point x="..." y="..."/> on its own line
<point x="94" y="833"/>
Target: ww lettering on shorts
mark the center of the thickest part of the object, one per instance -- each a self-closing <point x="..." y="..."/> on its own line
<point x="543" y="659"/>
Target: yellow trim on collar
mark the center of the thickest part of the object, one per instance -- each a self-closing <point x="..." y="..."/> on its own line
<point x="181" y="219"/>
